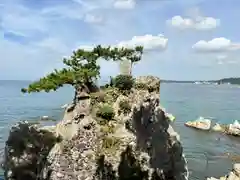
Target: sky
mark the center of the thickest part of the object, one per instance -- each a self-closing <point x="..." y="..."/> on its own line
<point x="182" y="39"/>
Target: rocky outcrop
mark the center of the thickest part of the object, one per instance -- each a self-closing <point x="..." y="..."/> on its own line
<point x="234" y="129"/>
<point x="233" y="175"/>
<point x="205" y="124"/>
<point x="218" y="128"/>
<point x="26" y="151"/>
<point x="230" y="129"/>
<point x="137" y="142"/>
<point x="149" y="83"/>
<point x="201" y="123"/>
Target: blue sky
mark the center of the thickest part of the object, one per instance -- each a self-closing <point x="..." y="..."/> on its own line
<point x="184" y="39"/>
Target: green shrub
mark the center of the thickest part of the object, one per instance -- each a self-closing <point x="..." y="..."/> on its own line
<point x="123" y="82"/>
<point x="125" y="106"/>
<point x="110" y="142"/>
<point x="107" y="129"/>
<point x="97" y="97"/>
<point x="104" y="86"/>
<point x="140" y="86"/>
<point x="111" y="95"/>
<point x="105" y="112"/>
<point x="107" y="86"/>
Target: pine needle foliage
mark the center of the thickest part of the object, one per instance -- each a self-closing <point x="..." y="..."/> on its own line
<point x="82" y="67"/>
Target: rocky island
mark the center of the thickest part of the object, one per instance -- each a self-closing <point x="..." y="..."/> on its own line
<point x="115" y="132"/>
<point x="118" y="131"/>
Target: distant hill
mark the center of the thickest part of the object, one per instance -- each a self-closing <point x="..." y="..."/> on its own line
<point x="228" y="80"/>
<point x="220" y="81"/>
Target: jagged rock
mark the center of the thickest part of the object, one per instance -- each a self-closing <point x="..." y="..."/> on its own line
<point x="234" y="129"/>
<point x="230" y="129"/>
<point x="218" y="128"/>
<point x="233" y="175"/>
<point x="140" y="144"/>
<point x="26" y="150"/>
<point x="201" y="123"/>
<point x="150" y="83"/>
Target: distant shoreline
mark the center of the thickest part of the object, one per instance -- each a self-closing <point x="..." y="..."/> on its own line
<point x="235" y="81"/>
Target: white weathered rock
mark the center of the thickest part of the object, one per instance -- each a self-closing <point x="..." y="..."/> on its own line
<point x="234" y="129"/>
<point x="236" y="168"/>
<point x="201" y="123"/>
<point x="218" y="128"/>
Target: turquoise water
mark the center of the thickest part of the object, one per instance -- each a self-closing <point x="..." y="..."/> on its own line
<point x="185" y="101"/>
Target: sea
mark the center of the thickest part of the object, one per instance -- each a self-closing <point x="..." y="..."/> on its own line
<point x="204" y="151"/>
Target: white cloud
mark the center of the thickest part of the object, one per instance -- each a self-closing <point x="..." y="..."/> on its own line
<point x="221" y="62"/>
<point x="124" y="4"/>
<point x="30" y="61"/>
<point x="194" y="20"/>
<point x="217" y="44"/>
<point x="227" y="59"/>
<point x="60" y="11"/>
<point x="53" y="44"/>
<point x="204" y="23"/>
<point x="207" y="23"/>
<point x="86" y="47"/>
<point x="148" y="41"/>
<point x="21" y="20"/>
<point x="94" y="19"/>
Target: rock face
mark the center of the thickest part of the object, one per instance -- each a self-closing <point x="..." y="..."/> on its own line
<point x="201" y="123"/>
<point x="234" y="129"/>
<point x="230" y="129"/>
<point x="150" y="83"/>
<point x="137" y="144"/>
<point x="218" y="128"/>
<point x="26" y="150"/>
<point x="233" y="175"/>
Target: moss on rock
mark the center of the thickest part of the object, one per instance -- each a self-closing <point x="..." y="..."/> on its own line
<point x="111" y="94"/>
<point x="97" y="97"/>
<point x="107" y="129"/>
<point x="125" y="106"/>
<point x="110" y="143"/>
<point x="105" y="112"/>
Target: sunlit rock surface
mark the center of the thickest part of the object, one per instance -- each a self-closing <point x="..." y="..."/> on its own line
<point x="136" y="144"/>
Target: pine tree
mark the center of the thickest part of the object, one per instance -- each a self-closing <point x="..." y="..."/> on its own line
<point x="82" y="67"/>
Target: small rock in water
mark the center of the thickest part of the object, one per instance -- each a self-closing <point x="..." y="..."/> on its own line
<point x="64" y="106"/>
<point x="45" y="118"/>
<point x="200" y="123"/>
<point x="217" y="127"/>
